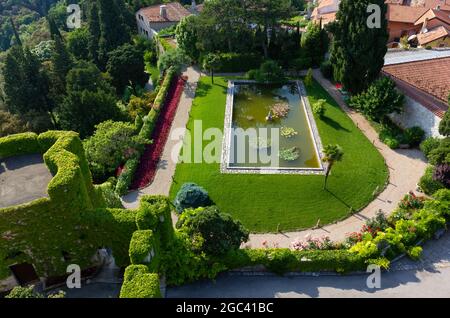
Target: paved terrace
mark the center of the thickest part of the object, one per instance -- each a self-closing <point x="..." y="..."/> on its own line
<point x="23" y="179"/>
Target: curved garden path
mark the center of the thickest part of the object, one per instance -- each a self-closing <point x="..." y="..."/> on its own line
<point x="406" y="167"/>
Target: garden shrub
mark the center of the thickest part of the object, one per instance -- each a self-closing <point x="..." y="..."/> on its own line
<point x="428" y="184"/>
<point x="140" y="283"/>
<point x="414" y="136"/>
<point x="217" y="232"/>
<point x="268" y="72"/>
<point x="191" y="195"/>
<point x="20" y="144"/>
<point x="379" y="100"/>
<point x="441" y="154"/>
<point x="182" y="265"/>
<point x="126" y="177"/>
<point x="318" y="107"/>
<point x="327" y="69"/>
<point x="442" y="174"/>
<point x="112" y="144"/>
<point x="429" y="144"/>
<point x="415" y="252"/>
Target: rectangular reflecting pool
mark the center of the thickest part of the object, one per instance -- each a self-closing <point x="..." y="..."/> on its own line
<point x="270" y="129"/>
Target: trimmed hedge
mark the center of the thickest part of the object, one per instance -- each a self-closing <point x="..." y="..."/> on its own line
<point x="140" y="283"/>
<point x="54" y="233"/>
<point x="283" y="260"/>
<point x="126" y="177"/>
<point x="149" y="123"/>
<point x="144" y="249"/>
<point x="20" y="144"/>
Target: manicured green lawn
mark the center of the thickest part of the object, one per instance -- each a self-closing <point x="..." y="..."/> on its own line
<point x="265" y="203"/>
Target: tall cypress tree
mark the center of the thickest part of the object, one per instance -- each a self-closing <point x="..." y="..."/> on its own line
<point x="114" y="30"/>
<point x="94" y="30"/>
<point x="61" y="61"/>
<point x="357" y="51"/>
<point x="16" y="33"/>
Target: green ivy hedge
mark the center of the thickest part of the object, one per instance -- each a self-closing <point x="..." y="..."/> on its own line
<point x="70" y="225"/>
<point x="282" y="260"/>
<point x="126" y="177"/>
<point x="20" y="144"/>
<point x="144" y="249"/>
<point x="140" y="283"/>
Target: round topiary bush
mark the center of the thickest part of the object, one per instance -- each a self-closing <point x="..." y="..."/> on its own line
<point x="191" y="196"/>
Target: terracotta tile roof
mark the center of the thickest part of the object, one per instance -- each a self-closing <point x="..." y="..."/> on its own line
<point x="443" y="16"/>
<point x="432" y="35"/>
<point x="406" y="14"/>
<point x="426" y="81"/>
<point x="175" y="12"/>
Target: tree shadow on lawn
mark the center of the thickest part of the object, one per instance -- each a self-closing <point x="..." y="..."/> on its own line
<point x="339" y="199"/>
<point x="331" y="122"/>
<point x="203" y="89"/>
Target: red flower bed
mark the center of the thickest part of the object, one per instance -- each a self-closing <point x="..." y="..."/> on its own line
<point x="152" y="154"/>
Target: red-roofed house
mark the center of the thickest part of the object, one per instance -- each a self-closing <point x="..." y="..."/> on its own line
<point x="426" y="84"/>
<point x="151" y="20"/>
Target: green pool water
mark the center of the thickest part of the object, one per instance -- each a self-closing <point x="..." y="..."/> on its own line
<point x="251" y="107"/>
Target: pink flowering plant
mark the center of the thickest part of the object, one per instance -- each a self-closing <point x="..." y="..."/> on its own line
<point x="321" y="243"/>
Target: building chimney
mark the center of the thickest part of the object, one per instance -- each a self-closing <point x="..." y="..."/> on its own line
<point x="163" y="11"/>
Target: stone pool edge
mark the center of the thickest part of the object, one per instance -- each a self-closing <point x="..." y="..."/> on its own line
<point x="224" y="167"/>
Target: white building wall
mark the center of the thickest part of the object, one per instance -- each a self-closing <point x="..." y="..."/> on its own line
<point x="415" y="114"/>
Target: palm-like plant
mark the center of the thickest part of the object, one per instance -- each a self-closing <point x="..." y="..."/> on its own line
<point x="333" y="154"/>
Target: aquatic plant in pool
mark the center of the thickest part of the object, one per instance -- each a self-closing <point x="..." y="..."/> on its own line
<point x="283" y="114"/>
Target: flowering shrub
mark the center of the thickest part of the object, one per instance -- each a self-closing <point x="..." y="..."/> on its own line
<point x="322" y="243"/>
<point x="411" y="202"/>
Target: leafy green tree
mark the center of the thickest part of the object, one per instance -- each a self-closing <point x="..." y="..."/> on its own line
<point x="218" y="231"/>
<point x="26" y="83"/>
<point x="78" y="43"/>
<point x="211" y="62"/>
<point x="357" y="50"/>
<point x="270" y="72"/>
<point x="89" y="101"/>
<point x="175" y="58"/>
<point x="315" y="43"/>
<point x="187" y="36"/>
<point x="111" y="145"/>
<point x="269" y="13"/>
<point x="11" y="124"/>
<point x="126" y="66"/>
<point x="114" y="29"/>
<point x="379" y="100"/>
<point x="332" y="154"/>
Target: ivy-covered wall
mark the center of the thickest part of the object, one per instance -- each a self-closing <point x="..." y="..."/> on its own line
<point x="71" y="224"/>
